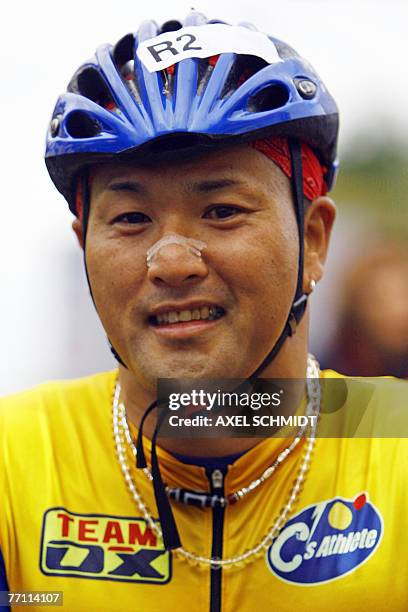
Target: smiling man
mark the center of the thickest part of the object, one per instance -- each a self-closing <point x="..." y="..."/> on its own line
<point x="196" y="158"/>
<point x="230" y="200"/>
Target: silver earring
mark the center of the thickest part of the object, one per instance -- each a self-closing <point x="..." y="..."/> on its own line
<point x="312" y="285"/>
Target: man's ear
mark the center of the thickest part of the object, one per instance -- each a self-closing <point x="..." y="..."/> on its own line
<point x="319" y="219"/>
<point x="77" y="226"/>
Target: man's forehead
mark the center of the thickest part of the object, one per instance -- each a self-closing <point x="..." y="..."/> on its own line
<point x="222" y="167"/>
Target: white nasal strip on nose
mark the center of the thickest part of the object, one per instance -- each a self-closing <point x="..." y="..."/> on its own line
<point x="191" y="244"/>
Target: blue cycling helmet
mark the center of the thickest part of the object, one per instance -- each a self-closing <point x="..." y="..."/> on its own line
<point x="115" y="108"/>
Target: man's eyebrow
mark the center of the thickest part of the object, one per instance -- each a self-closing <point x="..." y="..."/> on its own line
<point x="127" y="185"/>
<point x="213" y="185"/>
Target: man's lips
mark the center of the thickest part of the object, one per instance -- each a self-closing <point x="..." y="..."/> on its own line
<point x="184" y="329"/>
<point x="185" y="314"/>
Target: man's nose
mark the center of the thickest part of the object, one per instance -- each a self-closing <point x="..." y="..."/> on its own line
<point x="176" y="265"/>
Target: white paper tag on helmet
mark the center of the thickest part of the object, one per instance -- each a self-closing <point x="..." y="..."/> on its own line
<point x="204" y="41"/>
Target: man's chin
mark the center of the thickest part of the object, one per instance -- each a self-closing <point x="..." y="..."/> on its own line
<point x="186" y="371"/>
<point x="187" y="367"/>
<point x="209" y="360"/>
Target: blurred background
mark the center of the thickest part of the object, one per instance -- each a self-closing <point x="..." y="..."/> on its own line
<point x="360" y="310"/>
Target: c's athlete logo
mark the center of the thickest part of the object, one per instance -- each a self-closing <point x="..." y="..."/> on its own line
<point x="326" y="541"/>
<point x="101" y="546"/>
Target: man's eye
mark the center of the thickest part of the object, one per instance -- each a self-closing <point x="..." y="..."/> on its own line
<point x="222" y="212"/>
<point x="132" y="218"/>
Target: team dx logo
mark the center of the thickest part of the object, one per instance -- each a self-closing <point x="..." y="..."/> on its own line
<point x="326" y="541"/>
<point x="102" y="547"/>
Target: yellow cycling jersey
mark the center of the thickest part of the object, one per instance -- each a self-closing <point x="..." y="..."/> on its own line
<point x="68" y="522"/>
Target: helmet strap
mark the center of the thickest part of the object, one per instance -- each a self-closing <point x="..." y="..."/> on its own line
<point x="298" y="198"/>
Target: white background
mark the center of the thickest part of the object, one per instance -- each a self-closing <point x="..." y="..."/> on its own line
<point x="47" y="325"/>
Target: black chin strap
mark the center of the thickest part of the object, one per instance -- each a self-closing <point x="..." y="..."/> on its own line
<point x="171" y="537"/>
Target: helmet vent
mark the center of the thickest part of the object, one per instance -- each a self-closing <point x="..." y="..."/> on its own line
<point x="243" y="68"/>
<point x="80" y="125"/>
<point x="170" y="26"/>
<point x="90" y="83"/>
<point x="124" y="61"/>
<point x="269" y="98"/>
<point x="123" y="51"/>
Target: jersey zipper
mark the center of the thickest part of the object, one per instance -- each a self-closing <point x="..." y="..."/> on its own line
<point x="216" y="479"/>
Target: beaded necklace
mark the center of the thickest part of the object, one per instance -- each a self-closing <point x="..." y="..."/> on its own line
<point x="121" y="434"/>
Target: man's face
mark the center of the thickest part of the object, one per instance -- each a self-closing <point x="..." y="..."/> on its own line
<point x="237" y="202"/>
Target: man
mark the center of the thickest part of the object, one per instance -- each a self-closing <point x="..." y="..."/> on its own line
<point x="196" y="158"/>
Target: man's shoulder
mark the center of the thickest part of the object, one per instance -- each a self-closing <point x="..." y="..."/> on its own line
<point x="56" y="396"/>
<point x="379" y="389"/>
<point x="378" y="404"/>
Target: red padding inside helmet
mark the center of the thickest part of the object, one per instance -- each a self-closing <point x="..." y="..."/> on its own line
<point x="277" y="149"/>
